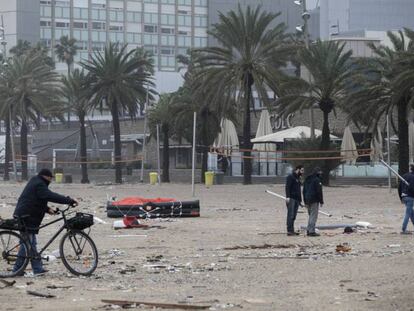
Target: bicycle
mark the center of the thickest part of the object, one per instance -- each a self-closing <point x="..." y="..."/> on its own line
<point x="77" y="250"/>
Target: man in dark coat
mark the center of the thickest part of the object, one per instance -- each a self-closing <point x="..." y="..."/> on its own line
<point x="313" y="197"/>
<point x="33" y="204"/>
<point x="406" y="194"/>
<point x="293" y="198"/>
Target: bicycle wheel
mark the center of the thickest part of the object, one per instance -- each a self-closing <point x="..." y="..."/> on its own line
<point x="10" y="243"/>
<point x="78" y="253"/>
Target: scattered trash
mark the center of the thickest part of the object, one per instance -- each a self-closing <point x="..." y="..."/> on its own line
<point x="347" y="216"/>
<point x="394" y="245"/>
<point x="348" y="230"/>
<point x="58" y="286"/>
<point x="364" y="224"/>
<point x="99" y="221"/>
<point x="38" y="294"/>
<point x="127" y="304"/>
<point x="343" y="248"/>
<point x="128" y="222"/>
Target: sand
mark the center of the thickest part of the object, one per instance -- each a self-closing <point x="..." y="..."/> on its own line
<point x="235" y="256"/>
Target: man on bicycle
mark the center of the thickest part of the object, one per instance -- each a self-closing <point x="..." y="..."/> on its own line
<point x="32" y="205"/>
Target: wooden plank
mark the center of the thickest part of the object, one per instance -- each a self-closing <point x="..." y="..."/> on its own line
<point x="124" y="303"/>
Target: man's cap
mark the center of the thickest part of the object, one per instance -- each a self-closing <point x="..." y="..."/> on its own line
<point x="317" y="170"/>
<point x="45" y="172"/>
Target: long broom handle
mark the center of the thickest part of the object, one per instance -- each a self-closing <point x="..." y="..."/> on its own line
<point x="395" y="172"/>
<point x="284" y="198"/>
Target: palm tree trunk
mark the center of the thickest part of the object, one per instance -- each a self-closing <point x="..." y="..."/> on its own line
<point x="23" y="148"/>
<point x="165" y="176"/>
<point x="7" y="152"/>
<point x="83" y="153"/>
<point x="325" y="143"/>
<point x="117" y="142"/>
<point x="403" y="147"/>
<point x="247" y="161"/>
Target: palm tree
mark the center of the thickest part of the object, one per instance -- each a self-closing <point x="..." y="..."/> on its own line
<point x="21" y="48"/>
<point x="384" y="87"/>
<point x="33" y="91"/>
<point x="66" y="50"/>
<point x="75" y="90"/>
<point x="119" y="80"/>
<point x="330" y="69"/>
<point x="161" y="114"/>
<point x="250" y="56"/>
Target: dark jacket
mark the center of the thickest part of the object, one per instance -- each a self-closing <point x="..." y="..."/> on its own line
<point x="403" y="189"/>
<point x="33" y="202"/>
<point x="312" y="190"/>
<point x="292" y="187"/>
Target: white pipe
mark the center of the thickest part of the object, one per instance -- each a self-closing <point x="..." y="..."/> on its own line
<point x="144" y="139"/>
<point x="194" y="146"/>
<point x="284" y="198"/>
<point x="388" y="153"/>
<point x="395" y="172"/>
<point x="158" y="154"/>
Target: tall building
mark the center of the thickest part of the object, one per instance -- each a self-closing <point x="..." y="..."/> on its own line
<point x="335" y="17"/>
<point x="166" y="28"/>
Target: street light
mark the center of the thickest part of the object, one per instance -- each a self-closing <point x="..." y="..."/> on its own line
<point x="305" y="30"/>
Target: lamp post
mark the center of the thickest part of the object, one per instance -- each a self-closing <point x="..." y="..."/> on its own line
<point x="4" y="44"/>
<point x="305" y="30"/>
<point x="145" y="136"/>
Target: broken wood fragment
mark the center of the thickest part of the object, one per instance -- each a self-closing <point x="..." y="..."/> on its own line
<point x="37" y="294"/>
<point x="57" y="287"/>
<point x="125" y="303"/>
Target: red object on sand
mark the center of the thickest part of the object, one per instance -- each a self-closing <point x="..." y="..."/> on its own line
<point x="141" y="201"/>
<point x="132" y="222"/>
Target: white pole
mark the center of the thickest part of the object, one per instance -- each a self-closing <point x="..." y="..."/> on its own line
<point x="194" y="146"/>
<point x="158" y="154"/>
<point x="388" y="152"/>
<point x="54" y="159"/>
<point x="144" y="140"/>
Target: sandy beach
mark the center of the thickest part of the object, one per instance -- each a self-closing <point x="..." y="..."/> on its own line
<point x="236" y="256"/>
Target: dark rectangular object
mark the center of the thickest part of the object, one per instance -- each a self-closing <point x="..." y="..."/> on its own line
<point x="154" y="210"/>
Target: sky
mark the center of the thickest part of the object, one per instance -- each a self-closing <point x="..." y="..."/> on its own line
<point x="311" y="4"/>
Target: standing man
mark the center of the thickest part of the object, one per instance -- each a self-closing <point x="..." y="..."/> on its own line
<point x="313" y="197"/>
<point x="406" y="194"/>
<point x="293" y="198"/>
<point x="33" y="202"/>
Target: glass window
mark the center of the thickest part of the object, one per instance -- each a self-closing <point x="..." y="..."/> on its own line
<point x="116" y="16"/>
<point x="45" y="11"/>
<point x="168" y="1"/>
<point x="167" y="19"/>
<point x="116" y="36"/>
<point x="150" y="39"/>
<point x="184" y="20"/>
<point x="200" y="2"/>
<point x="150" y="28"/>
<point x="45" y="33"/>
<point x="151" y="18"/>
<point x="133" y="38"/>
<point x="200" y="21"/>
<point x="184" y="2"/>
<point x="134" y="17"/>
<point x="184" y="41"/>
<point x="200" y="42"/>
<point x="98" y="14"/>
<point x="168" y="40"/>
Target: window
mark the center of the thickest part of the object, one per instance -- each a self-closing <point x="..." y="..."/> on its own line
<point x="134" y="17"/>
<point x="99" y="36"/>
<point x="184" y="41"/>
<point x="133" y="38"/>
<point x="80" y="13"/>
<point x="116" y="16"/>
<point x="167" y="30"/>
<point x="45" y="11"/>
<point x="184" y="2"/>
<point x="167" y="51"/>
<point x="168" y="1"/>
<point x="150" y="28"/>
<point x="151" y="18"/>
<point x="45" y="33"/>
<point x="80" y="25"/>
<point x="98" y="14"/>
<point x="168" y="40"/>
<point x="116" y="36"/>
<point x="200" y="42"/>
<point x="200" y="21"/>
<point x="98" y="25"/>
<point x="184" y="20"/>
<point x="61" y="25"/>
<point x="45" y="23"/>
<point x="167" y="19"/>
<point x="200" y="2"/>
<point x="62" y="12"/>
<point x="150" y="39"/>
